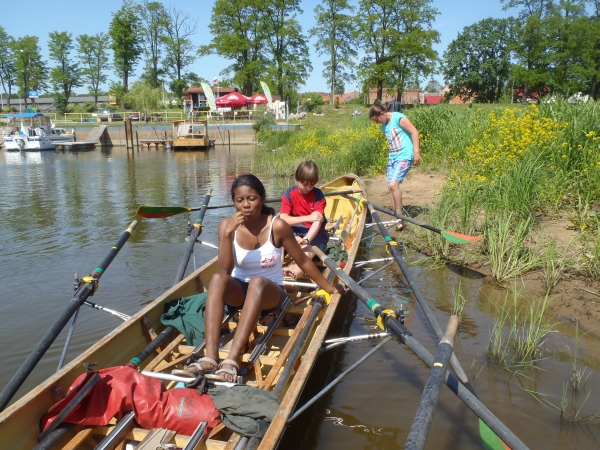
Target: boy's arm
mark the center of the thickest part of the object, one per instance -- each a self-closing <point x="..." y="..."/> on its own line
<point x="293" y="220"/>
<point x="414" y="136"/>
<point x="312" y="231"/>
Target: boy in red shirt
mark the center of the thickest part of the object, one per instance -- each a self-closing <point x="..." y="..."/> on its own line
<point x="303" y="208"/>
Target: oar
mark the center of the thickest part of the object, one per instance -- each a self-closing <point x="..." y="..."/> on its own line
<point x="160" y="212"/>
<point x="455" y="238"/>
<point x="88" y="286"/>
<point x="422" y="421"/>
<point x="460" y="373"/>
<point x="386" y="320"/>
<point x="196" y="231"/>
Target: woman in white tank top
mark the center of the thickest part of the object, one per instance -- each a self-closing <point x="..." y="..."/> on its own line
<point x="251" y="244"/>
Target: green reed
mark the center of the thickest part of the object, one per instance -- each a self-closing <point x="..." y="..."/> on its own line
<point x="505" y="236"/>
<point x="519" y="332"/>
<point x="553" y="266"/>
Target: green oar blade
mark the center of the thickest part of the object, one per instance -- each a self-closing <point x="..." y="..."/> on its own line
<point x="160" y="212"/>
<point x="489" y="438"/>
<point x="457" y="238"/>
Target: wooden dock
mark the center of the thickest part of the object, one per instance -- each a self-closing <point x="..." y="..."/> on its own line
<point x="164" y="143"/>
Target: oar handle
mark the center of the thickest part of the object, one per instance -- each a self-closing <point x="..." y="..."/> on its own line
<point x="431" y="393"/>
<point x="397" y="215"/>
<point x="86" y="288"/>
<point x="451" y="330"/>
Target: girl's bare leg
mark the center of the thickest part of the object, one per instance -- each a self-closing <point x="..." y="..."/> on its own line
<point x="263" y="294"/>
<point x="215" y="304"/>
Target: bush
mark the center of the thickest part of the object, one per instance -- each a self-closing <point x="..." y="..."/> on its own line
<point x="263" y="119"/>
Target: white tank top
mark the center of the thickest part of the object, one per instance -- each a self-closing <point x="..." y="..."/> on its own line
<point x="265" y="261"/>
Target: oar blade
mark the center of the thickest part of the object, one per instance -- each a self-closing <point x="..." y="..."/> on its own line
<point x="489" y="439"/>
<point x="160" y="212"/>
<point x="457" y="238"/>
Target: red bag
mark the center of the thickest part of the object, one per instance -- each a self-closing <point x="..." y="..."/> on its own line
<point x="122" y="389"/>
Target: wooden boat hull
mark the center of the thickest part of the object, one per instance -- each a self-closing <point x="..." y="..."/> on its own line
<point x="19" y="423"/>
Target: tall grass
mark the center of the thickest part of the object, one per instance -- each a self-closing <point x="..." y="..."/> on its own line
<point x="519" y="332"/>
<point x="358" y="147"/>
<point x="500" y="162"/>
<point x="505" y="236"/>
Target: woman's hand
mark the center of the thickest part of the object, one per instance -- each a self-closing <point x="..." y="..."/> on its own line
<point x="338" y="288"/>
<point x="234" y="223"/>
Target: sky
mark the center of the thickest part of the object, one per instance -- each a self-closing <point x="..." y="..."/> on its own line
<point x="41" y="17"/>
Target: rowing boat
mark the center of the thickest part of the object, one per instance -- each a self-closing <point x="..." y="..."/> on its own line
<point x="20" y="422"/>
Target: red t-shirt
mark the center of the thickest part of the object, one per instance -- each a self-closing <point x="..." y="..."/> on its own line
<point x="295" y="204"/>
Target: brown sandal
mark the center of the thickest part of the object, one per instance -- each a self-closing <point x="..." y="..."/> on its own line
<point x="194" y="369"/>
<point x="222" y="372"/>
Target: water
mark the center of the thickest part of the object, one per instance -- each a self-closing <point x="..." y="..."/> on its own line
<point x="62" y="212"/>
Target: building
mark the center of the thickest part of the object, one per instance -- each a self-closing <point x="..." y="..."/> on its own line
<point x="195" y="99"/>
<point x="47" y="103"/>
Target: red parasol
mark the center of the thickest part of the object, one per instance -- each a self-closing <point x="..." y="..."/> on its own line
<point x="232" y="100"/>
<point x="258" y="99"/>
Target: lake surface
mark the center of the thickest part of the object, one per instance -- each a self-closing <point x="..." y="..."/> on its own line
<point x="62" y="212"/>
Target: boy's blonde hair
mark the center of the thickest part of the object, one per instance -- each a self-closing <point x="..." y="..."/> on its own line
<point x="307" y="172"/>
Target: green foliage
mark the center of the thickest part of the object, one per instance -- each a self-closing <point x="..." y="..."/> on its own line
<point x="334" y="33"/>
<point x="506" y="166"/>
<point x="263" y="119"/>
<point x="65" y="76"/>
<point x="286" y="48"/>
<point x="93" y="57"/>
<point x="142" y="96"/>
<point x="30" y="69"/>
<point x="126" y="40"/>
<point x="356" y="146"/>
<point x="477" y="62"/>
<point x="316" y="100"/>
<point x="7" y="63"/>
<point x="153" y="25"/>
<point x="519" y="332"/>
<point x="179" y="50"/>
<point x="397" y="39"/>
<point x="237" y="36"/>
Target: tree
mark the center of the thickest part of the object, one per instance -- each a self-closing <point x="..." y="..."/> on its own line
<point x="179" y="50"/>
<point x="30" y="69"/>
<point x="287" y="56"/>
<point x="397" y="38"/>
<point x="154" y="23"/>
<point x="7" y="64"/>
<point x="591" y="51"/>
<point x="142" y="96"/>
<point x="567" y="32"/>
<point x="334" y="33"/>
<point x="126" y="40"/>
<point x="477" y="63"/>
<point x="532" y="70"/>
<point x="433" y="86"/>
<point x="93" y="58"/>
<point x="192" y="79"/>
<point x="237" y="36"/>
<point x="65" y="75"/>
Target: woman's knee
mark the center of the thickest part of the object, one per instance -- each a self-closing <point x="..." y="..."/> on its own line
<point x="259" y="284"/>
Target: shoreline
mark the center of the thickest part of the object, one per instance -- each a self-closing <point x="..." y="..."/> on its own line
<point x="574" y="298"/>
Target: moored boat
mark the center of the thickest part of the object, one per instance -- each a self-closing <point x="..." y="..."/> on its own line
<point x="19" y="422"/>
<point x="191" y="134"/>
<point x="33" y="132"/>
